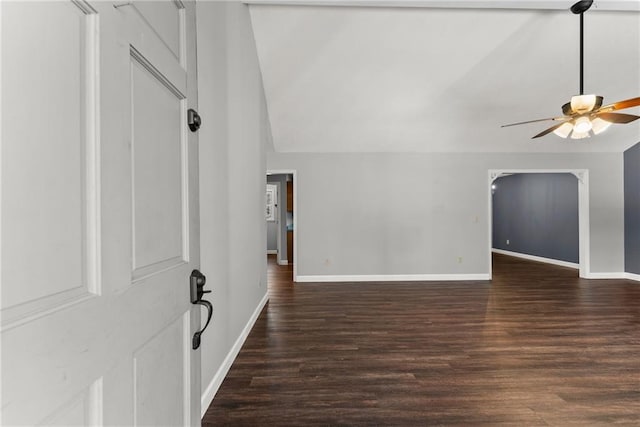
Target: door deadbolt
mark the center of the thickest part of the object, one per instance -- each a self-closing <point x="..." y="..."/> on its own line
<point x="193" y="120"/>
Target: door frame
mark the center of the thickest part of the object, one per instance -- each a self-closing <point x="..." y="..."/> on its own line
<point x="582" y="175"/>
<point x="294" y="174"/>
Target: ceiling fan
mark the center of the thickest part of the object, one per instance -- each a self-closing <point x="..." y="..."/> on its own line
<point x="585" y="115"/>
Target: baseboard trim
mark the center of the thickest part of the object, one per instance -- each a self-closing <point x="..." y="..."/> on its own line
<point x="633" y="276"/>
<point x="612" y="275"/>
<point x="537" y="258"/>
<point x="395" y="278"/>
<point x="596" y="276"/>
<point x="272" y="251"/>
<point x="211" y="390"/>
<point x="283" y="262"/>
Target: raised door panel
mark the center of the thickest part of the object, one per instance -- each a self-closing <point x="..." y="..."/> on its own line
<point x="161" y="377"/>
<point x="159" y="208"/>
<point x="49" y="225"/>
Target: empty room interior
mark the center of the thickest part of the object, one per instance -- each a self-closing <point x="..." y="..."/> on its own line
<point x="314" y="212"/>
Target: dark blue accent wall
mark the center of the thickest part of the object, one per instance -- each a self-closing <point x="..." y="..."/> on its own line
<point x="632" y="210"/>
<point x="538" y="214"/>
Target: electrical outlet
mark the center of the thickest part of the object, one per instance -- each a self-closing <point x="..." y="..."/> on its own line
<point x="507" y="241"/>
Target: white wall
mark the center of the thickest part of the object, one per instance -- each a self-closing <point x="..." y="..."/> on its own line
<point x="423" y="214"/>
<point x="233" y="137"/>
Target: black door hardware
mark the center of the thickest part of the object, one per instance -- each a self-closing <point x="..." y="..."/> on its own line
<point x="197" y="281"/>
<point x="193" y="120"/>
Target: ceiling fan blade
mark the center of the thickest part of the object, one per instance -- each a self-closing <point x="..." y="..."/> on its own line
<point x="534" y="121"/>
<point x="617" y="117"/>
<point x="547" y="131"/>
<point x="621" y="105"/>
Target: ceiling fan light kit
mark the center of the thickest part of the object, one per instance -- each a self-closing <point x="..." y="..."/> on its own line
<point x="582" y="125"/>
<point x="584" y="115"/>
<point x="599" y="125"/>
<point x="584" y="103"/>
<point x="564" y="130"/>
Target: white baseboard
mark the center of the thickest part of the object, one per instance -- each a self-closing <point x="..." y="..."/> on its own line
<point x="537" y="258"/>
<point x="614" y="275"/>
<point x="283" y="262"/>
<point x="632" y="276"/>
<point x="211" y="390"/>
<point x="611" y="275"/>
<point x="394" y="278"/>
<point x="272" y="251"/>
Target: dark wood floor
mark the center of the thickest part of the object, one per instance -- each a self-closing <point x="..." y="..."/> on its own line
<point x="536" y="346"/>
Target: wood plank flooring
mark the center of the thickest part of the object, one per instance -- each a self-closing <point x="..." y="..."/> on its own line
<point x="536" y="346"/>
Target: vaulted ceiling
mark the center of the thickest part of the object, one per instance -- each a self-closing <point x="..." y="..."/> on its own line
<point x="439" y="78"/>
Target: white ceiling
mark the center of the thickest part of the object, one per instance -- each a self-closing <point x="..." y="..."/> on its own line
<point x="425" y="79"/>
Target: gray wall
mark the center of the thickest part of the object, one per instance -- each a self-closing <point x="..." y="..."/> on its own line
<point x="233" y="137"/>
<point x="377" y="214"/>
<point x="632" y="209"/>
<point x="537" y="214"/>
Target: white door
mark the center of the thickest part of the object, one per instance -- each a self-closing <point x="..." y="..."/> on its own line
<point x="278" y="223"/>
<point x="99" y="213"/>
<point x="272" y="215"/>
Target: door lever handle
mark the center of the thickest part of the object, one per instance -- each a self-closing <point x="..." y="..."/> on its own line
<point x="197" y="281"/>
<point x="195" y="342"/>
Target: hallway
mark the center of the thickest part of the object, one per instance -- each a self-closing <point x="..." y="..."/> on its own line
<point x="536" y="346"/>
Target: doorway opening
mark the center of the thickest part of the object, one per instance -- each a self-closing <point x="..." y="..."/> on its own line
<point x="282" y="219"/>
<point x="582" y="218"/>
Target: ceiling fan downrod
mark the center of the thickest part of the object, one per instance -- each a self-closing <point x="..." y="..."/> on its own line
<point x="580" y="8"/>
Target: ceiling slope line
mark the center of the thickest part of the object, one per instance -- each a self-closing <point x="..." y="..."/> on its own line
<point x="608" y="5"/>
